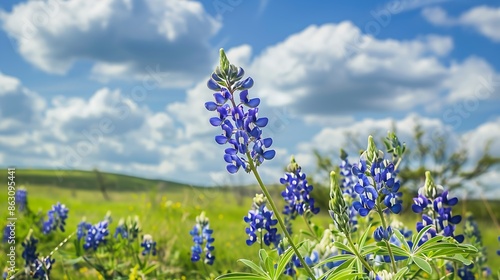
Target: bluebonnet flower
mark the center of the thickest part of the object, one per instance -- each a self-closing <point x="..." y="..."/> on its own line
<point x="56" y="218"/>
<point x="241" y="128"/>
<point x="260" y="219"/>
<point x="7" y="233"/>
<point x="82" y="229"/>
<point x="382" y="234"/>
<point x="376" y="178"/>
<point x="21" y="199"/>
<point x="121" y="230"/>
<point x="395" y="225"/>
<point x="29" y="252"/>
<point x="202" y="233"/>
<point x="297" y="192"/>
<point x="149" y="245"/>
<point x="41" y="268"/>
<point x="435" y="205"/>
<point x="96" y="235"/>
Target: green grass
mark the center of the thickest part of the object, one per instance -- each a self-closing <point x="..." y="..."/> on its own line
<point x="167" y="210"/>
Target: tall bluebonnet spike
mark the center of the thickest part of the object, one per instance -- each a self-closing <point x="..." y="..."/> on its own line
<point x="96" y="235"/>
<point x="245" y="132"/>
<point x="82" y="229"/>
<point x="260" y="219"/>
<point x="433" y="201"/>
<point x="297" y="193"/>
<point x="202" y="235"/>
<point x="29" y="252"/>
<point x="149" y="245"/>
<point x="21" y="199"/>
<point x="8" y="233"/>
<point x="56" y="218"/>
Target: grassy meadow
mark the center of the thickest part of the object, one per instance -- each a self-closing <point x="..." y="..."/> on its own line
<point x="167" y="211"/>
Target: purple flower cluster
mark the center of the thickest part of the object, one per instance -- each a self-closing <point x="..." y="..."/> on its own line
<point x="435" y="205"/>
<point x="8" y="233"/>
<point x="260" y="219"/>
<point x="241" y="126"/>
<point x="297" y="192"/>
<point x="38" y="268"/>
<point x="95" y="236"/>
<point x="56" y="218"/>
<point x="380" y="180"/>
<point x="149" y="245"/>
<point x="202" y="234"/>
<point x="29" y="252"/>
<point x="21" y="199"/>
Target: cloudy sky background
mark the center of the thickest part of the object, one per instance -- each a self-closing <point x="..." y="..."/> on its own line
<point x="120" y="84"/>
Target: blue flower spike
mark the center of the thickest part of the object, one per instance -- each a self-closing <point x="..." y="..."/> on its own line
<point x="203" y="240"/>
<point x="237" y="116"/>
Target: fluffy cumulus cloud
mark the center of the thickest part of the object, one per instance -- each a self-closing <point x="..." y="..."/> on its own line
<point x="336" y="70"/>
<point x="18" y="105"/>
<point x="484" y="19"/>
<point x="122" y="38"/>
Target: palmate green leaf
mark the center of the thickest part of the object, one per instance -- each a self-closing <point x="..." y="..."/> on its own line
<point x="267" y="262"/>
<point x="343" y="269"/>
<point x="362" y="238"/>
<point x="458" y="258"/>
<point x="284" y="260"/>
<point x="403" y="241"/>
<point x="419" y="236"/>
<point x="342" y="246"/>
<point x="335" y="259"/>
<point x="396" y="250"/>
<point x="422" y="263"/>
<point x="368" y="249"/>
<point x="253" y="266"/>
<point x="242" y="276"/>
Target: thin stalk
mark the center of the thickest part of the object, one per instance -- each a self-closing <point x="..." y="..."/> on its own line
<point x="309" y="227"/>
<point x="278" y="216"/>
<point x="384" y="224"/>
<point x="358" y="255"/>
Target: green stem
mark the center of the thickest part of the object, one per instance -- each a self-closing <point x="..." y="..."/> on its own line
<point x="309" y="227"/>
<point x="384" y="224"/>
<point x="206" y="270"/>
<point x="278" y="216"/>
<point x="358" y="255"/>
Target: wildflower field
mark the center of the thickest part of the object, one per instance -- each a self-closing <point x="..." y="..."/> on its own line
<point x="360" y="224"/>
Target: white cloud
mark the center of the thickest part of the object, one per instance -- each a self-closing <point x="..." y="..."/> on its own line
<point x="485" y="19"/>
<point x="121" y="37"/>
<point x="18" y="105"/>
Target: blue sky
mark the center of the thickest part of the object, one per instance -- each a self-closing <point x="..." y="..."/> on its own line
<point x="120" y="84"/>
